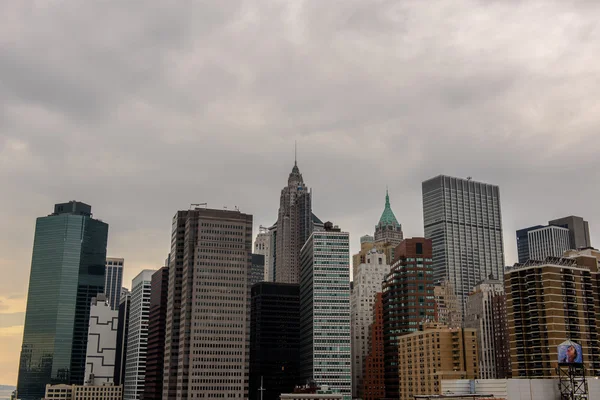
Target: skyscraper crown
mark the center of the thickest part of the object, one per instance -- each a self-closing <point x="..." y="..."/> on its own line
<point x="387" y="217"/>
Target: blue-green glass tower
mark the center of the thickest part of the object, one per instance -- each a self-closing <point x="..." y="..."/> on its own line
<point x="67" y="270"/>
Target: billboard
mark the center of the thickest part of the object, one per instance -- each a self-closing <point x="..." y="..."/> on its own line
<point x="570" y="353"/>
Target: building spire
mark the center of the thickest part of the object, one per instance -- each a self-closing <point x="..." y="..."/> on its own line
<point x="295" y="153"/>
<point x="387" y="197"/>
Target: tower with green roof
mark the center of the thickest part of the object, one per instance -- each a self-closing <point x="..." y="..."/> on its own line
<point x="388" y="230"/>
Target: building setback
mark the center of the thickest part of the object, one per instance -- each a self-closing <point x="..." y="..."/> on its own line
<point x="102" y="342"/>
<point x="274" y="337"/>
<point x="463" y="219"/>
<point x="408" y="300"/>
<point x="549" y="302"/>
<point x="208" y="310"/>
<point x="113" y="281"/>
<point x="366" y="284"/>
<point x="137" y="338"/>
<point x="434" y="354"/>
<point x="486" y="315"/>
<point x="325" y="310"/>
<point x="374" y="382"/>
<point x="155" y="360"/>
<point x="122" y="331"/>
<point x="67" y="271"/>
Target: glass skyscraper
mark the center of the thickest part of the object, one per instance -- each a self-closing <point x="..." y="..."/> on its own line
<point x="325" y="310"/>
<point x="463" y="219"/>
<point x="67" y="271"/>
<point x="113" y="281"/>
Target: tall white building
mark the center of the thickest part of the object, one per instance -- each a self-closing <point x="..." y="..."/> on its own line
<point x="102" y="342"/>
<point x="137" y="337"/>
<point x="480" y="314"/>
<point x="366" y="283"/>
<point x="262" y="245"/>
<point x="325" y="355"/>
<point x="113" y="280"/>
<point x="548" y="241"/>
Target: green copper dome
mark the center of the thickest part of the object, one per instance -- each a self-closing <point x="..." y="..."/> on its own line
<point x="388" y="218"/>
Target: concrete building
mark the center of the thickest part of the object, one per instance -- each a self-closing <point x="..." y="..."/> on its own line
<point x="484" y="316"/>
<point x="257" y="274"/>
<point x="101" y="343"/>
<point x="122" y="331"/>
<point x="366" y="284"/>
<point x="549" y="302"/>
<point x="106" y="391"/>
<point x="208" y="311"/>
<point x="157" y="320"/>
<point x="325" y="310"/>
<point x="295" y="223"/>
<point x="408" y="301"/>
<point x="579" y="231"/>
<point x="373" y="387"/>
<point x="547" y="241"/>
<point x="448" y="308"/>
<point x="432" y="355"/>
<point x="464" y="221"/>
<point x="67" y="271"/>
<point x="274" y="339"/>
<point x="113" y="281"/>
<point x="137" y="338"/>
<point x="262" y="245"/>
<point x="322" y="393"/>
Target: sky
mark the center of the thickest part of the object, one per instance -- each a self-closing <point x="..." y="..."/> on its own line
<point x="141" y="108"/>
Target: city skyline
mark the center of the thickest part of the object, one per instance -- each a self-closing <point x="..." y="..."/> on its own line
<point x="138" y="137"/>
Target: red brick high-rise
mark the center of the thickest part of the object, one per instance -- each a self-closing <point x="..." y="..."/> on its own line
<point x="374" y="383"/>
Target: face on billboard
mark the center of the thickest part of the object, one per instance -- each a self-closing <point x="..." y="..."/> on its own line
<point x="570" y="353"/>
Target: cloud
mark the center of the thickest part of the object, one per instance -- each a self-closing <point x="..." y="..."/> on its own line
<point x="141" y="108"/>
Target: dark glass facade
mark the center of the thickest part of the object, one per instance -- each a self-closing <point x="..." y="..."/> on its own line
<point x="523" y="243"/>
<point x="258" y="269"/>
<point x="274" y="337"/>
<point x="67" y="270"/>
<point x="122" y="333"/>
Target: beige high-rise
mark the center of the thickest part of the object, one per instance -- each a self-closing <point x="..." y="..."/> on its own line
<point x="437" y="352"/>
<point x="549" y="302"/>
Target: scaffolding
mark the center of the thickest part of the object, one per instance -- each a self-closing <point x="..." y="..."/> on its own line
<point x="572" y="383"/>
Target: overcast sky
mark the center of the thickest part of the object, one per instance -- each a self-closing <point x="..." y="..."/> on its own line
<point x="140" y="108"/>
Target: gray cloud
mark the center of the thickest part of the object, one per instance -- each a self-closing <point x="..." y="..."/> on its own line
<point x="141" y="108"/>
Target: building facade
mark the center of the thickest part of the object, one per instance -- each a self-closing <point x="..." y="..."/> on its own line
<point x="122" y="331"/>
<point x="274" y="337"/>
<point x="157" y="319"/>
<point x="207" y="351"/>
<point x="67" y="271"/>
<point x="485" y="315"/>
<point x="434" y="354"/>
<point x="262" y="245"/>
<point x="548" y="241"/>
<point x="547" y="303"/>
<point x="408" y="301"/>
<point x="101" y="343"/>
<point x="113" y="281"/>
<point x="373" y="387"/>
<point x="137" y="338"/>
<point x="579" y="231"/>
<point x="366" y="284"/>
<point x="258" y="269"/>
<point x="463" y="219"/>
<point x="107" y="391"/>
<point x="523" y="243"/>
<point x="448" y="308"/>
<point x="295" y="223"/>
<point x="325" y="338"/>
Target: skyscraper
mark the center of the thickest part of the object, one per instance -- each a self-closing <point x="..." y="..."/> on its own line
<point x="523" y="243"/>
<point x="463" y="219"/>
<point x="579" y="231"/>
<point x="365" y="285"/>
<point x="137" y="339"/>
<point x="122" y="331"/>
<point x="373" y="387"/>
<point x="155" y="360"/>
<point x="67" y="271"/>
<point x="388" y="230"/>
<point x="295" y="223"/>
<point x="258" y="269"/>
<point x="548" y="241"/>
<point x="113" y="279"/>
<point x="489" y="322"/>
<point x="102" y="340"/>
<point x="408" y="300"/>
<point x="325" y="310"/>
<point x="262" y="245"/>
<point x="208" y="310"/>
<point x="274" y="336"/>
